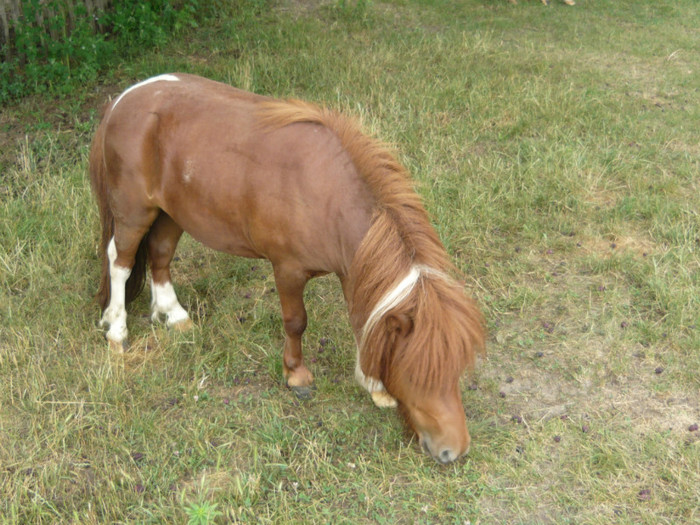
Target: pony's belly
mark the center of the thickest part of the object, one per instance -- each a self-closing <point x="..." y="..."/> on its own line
<point x="222" y="236"/>
<point x="230" y="244"/>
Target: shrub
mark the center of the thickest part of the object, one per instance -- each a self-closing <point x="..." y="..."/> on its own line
<point x="60" y="53"/>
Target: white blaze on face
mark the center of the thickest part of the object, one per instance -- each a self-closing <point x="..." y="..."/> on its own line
<point x="159" y="78"/>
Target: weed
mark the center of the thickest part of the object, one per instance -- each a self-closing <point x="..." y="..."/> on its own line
<point x="202" y="513"/>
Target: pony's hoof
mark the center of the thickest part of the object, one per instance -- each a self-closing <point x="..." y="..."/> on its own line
<point x="303" y="392"/>
<point x="183" y="326"/>
<point x="116" y="347"/>
<point x="382" y="399"/>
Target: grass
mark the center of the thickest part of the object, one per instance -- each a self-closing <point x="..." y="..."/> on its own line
<point x="556" y="149"/>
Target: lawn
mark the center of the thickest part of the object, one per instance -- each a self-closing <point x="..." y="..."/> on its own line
<point x="558" y="153"/>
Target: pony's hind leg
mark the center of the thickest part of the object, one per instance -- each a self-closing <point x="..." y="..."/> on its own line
<point x="121" y="255"/>
<point x="114" y="316"/>
<point x="162" y="241"/>
<point x="290" y="285"/>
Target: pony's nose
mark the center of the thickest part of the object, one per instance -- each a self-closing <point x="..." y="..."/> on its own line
<point x="447" y="456"/>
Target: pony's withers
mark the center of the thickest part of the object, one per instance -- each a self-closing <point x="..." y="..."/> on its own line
<point x="304" y="188"/>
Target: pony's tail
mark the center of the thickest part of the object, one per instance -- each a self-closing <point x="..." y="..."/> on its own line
<point x="98" y="182"/>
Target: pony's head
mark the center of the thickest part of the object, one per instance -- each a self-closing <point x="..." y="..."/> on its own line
<point x="419" y="350"/>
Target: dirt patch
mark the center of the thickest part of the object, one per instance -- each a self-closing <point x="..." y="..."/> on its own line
<point x="634" y="243"/>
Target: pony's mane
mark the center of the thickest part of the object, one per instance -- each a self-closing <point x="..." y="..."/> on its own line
<point x="448" y="326"/>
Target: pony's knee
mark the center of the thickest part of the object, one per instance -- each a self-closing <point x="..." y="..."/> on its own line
<point x="294" y="326"/>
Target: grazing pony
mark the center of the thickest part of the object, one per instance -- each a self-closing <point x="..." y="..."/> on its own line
<point x="302" y="187"/>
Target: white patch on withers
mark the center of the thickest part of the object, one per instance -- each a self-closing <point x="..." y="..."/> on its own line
<point x="115" y="313"/>
<point x="164" y="302"/>
<point x="391" y="299"/>
<point x="169" y="78"/>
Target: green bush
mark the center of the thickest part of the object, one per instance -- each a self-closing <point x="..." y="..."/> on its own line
<point x="37" y="62"/>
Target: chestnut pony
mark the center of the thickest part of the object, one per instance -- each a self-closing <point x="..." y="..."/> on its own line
<point x="302" y="187"/>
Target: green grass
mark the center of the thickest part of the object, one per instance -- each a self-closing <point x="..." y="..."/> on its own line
<point x="557" y="151"/>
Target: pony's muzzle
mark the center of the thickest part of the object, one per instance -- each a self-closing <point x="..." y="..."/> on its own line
<point x="444" y="455"/>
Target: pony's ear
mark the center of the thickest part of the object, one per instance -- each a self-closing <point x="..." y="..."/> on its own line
<point x="399" y="324"/>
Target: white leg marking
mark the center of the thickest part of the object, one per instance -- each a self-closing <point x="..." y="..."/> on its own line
<point x="164" y="301"/>
<point x="170" y="78"/>
<point x="375" y="387"/>
<point x="115" y="313"/>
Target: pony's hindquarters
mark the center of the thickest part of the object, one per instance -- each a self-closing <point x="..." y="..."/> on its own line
<point x="126" y="217"/>
<point x="99" y="181"/>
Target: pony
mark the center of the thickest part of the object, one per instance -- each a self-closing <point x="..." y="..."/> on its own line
<point x="303" y="187"/>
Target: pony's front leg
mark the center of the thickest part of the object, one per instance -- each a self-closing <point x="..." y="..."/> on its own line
<point x="290" y="285"/>
<point x="375" y="387"/>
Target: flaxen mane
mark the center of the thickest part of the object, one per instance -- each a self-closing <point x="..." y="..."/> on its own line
<point x="447" y="328"/>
